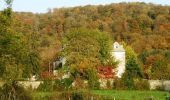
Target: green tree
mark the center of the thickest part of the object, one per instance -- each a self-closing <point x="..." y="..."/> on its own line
<point x="8" y="3"/>
<point x="31" y="60"/>
<point x="84" y="50"/>
<point x="15" y="51"/>
<point x="8" y="44"/>
<point x="133" y="69"/>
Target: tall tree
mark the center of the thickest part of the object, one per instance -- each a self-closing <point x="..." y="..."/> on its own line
<point x="8" y="43"/>
<point x="8" y="3"/>
<point x="16" y="50"/>
<point x="133" y="69"/>
<point x="84" y="50"/>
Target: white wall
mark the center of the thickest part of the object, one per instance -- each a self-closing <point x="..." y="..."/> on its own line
<point x="164" y="84"/>
<point x="120" y="57"/>
<point x="32" y="84"/>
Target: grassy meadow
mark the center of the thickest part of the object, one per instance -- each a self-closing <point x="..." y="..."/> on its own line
<point x="132" y="94"/>
<point x="107" y="95"/>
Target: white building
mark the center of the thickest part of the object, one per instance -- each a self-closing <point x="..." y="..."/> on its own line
<point x="119" y="54"/>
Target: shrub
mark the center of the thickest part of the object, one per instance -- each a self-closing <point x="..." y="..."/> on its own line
<point x="93" y="81"/>
<point x="50" y="85"/>
<point x="47" y="85"/>
<point x="67" y="82"/>
<point x="63" y="83"/>
<point x="13" y="91"/>
<point x="141" y="84"/>
<point x="77" y="96"/>
<point x="108" y="84"/>
<point x="160" y="88"/>
<point x="58" y="85"/>
<point x="119" y="84"/>
<point x="128" y="81"/>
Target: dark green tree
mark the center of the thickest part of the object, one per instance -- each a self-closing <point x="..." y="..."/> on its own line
<point x="8" y="44"/>
<point x="133" y="69"/>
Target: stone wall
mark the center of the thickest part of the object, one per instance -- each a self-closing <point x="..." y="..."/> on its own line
<point x="32" y="84"/>
<point x="154" y="84"/>
<point x="159" y="84"/>
<point x="26" y="84"/>
<point x="103" y="83"/>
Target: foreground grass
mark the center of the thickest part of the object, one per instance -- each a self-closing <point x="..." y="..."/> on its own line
<point x="111" y="95"/>
<point x="132" y="94"/>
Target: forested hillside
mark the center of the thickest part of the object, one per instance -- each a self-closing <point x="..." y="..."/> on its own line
<point x="144" y="27"/>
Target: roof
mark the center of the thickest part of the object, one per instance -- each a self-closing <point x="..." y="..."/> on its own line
<point x="117" y="47"/>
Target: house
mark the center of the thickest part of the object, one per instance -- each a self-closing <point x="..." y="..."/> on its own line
<point x="118" y="54"/>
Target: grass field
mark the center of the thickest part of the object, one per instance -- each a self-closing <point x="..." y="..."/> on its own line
<point x="132" y="94"/>
<point x="114" y="95"/>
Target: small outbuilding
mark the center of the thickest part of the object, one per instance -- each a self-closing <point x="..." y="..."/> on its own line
<point x="118" y="53"/>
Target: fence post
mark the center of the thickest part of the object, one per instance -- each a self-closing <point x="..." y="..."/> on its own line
<point x="91" y="97"/>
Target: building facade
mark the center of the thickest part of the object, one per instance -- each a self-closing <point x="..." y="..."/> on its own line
<point x="118" y="53"/>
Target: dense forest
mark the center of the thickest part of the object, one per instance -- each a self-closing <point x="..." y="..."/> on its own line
<point x="143" y="27"/>
<point x="32" y="44"/>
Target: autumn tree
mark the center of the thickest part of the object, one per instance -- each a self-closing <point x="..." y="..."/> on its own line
<point x="155" y="64"/>
<point x="8" y="45"/>
<point x="17" y="52"/>
<point x="143" y="26"/>
<point x="86" y="49"/>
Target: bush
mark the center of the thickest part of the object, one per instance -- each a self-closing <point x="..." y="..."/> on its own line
<point x="141" y="84"/>
<point x="77" y="96"/>
<point x="47" y="85"/>
<point x="119" y="84"/>
<point x="12" y="91"/>
<point x="67" y="82"/>
<point x="58" y="85"/>
<point x="160" y="88"/>
<point x="93" y="81"/>
<point x="51" y="85"/>
<point x="63" y="84"/>
<point x="128" y="80"/>
<point x="168" y="98"/>
<point x="108" y="84"/>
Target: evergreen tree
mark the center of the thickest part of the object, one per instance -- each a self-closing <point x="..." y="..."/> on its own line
<point x="133" y="69"/>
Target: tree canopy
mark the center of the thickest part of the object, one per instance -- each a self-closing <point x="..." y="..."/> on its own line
<point x="87" y="49"/>
<point x="16" y="53"/>
<point x="144" y="27"/>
